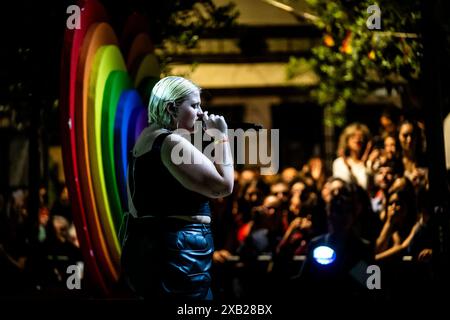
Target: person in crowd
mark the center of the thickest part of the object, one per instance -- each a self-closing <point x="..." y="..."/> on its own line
<point x="401" y="221"/>
<point x="288" y="175"/>
<point x="388" y="170"/>
<point x="391" y="147"/>
<point x="280" y="189"/>
<point x="412" y="145"/>
<point x="389" y="120"/>
<point x="353" y="147"/>
<point x="266" y="228"/>
<point x="15" y="244"/>
<point x="265" y="231"/>
<point x="54" y="255"/>
<point x="315" y="168"/>
<point x="43" y="214"/>
<point x="251" y="196"/>
<point x="421" y="246"/>
<point x="336" y="261"/>
<point x="62" y="207"/>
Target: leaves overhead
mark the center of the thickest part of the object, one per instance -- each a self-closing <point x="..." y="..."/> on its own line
<point x="351" y="59"/>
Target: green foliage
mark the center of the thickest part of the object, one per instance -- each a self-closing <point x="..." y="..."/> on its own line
<point x="352" y="59"/>
<point x="183" y="21"/>
<point x="180" y="23"/>
<point x="187" y="20"/>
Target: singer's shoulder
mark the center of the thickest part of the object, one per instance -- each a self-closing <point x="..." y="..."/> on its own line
<point x="175" y="139"/>
<point x="175" y="149"/>
<point x="146" y="139"/>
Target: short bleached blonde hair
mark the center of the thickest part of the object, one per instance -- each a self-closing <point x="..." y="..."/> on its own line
<point x="168" y="90"/>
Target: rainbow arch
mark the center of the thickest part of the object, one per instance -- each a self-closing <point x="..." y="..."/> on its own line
<point x="102" y="114"/>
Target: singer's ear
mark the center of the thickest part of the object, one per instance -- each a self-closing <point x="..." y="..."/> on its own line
<point x="171" y="109"/>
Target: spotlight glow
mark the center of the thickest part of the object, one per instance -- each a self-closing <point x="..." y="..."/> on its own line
<point x="324" y="255"/>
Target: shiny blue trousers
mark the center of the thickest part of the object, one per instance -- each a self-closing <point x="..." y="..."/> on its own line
<point x="167" y="260"/>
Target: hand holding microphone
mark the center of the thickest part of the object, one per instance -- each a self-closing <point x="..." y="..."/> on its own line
<point x="215" y="124"/>
<point x="235" y="125"/>
<point x="216" y="127"/>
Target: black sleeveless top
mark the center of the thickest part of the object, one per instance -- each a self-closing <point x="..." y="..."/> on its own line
<point x="155" y="192"/>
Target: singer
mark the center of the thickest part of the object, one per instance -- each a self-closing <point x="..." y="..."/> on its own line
<point x="167" y="242"/>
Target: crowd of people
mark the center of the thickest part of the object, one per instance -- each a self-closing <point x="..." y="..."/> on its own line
<point x="34" y="255"/>
<point x="372" y="207"/>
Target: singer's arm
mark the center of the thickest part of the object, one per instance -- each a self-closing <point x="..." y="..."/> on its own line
<point x="214" y="180"/>
<point x="223" y="161"/>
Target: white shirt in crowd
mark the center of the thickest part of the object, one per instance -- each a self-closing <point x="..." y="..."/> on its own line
<point x="340" y="170"/>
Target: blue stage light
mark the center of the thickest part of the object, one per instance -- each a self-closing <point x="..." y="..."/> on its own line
<point x="324" y="255"/>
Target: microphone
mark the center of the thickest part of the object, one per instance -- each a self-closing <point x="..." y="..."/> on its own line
<point x="244" y="126"/>
<point x="238" y="125"/>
